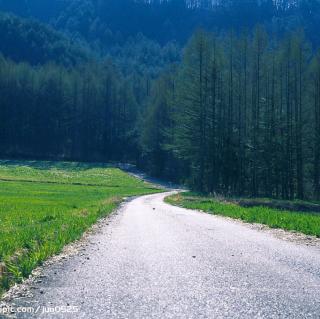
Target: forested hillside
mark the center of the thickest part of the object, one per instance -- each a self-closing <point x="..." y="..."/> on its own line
<point x="113" y="21"/>
<point x="159" y="29"/>
<point x="110" y="25"/>
<point x="231" y="111"/>
<point x="36" y="43"/>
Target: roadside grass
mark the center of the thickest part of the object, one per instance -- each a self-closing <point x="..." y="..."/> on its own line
<point x="303" y="222"/>
<point x="45" y="206"/>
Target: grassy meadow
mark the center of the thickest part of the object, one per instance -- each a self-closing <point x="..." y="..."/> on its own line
<point x="46" y="205"/>
<point x="304" y="222"/>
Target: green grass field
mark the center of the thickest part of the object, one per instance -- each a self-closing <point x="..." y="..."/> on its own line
<point x="307" y="223"/>
<point x="46" y="205"/>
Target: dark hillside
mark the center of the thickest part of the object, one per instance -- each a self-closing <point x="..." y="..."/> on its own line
<point x="36" y="43"/>
<point x="109" y="22"/>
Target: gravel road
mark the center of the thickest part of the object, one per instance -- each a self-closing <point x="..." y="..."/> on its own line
<point x="152" y="260"/>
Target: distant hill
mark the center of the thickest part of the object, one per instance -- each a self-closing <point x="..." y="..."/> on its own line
<point x="31" y="41"/>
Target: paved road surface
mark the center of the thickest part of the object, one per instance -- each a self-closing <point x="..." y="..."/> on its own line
<point x="158" y="261"/>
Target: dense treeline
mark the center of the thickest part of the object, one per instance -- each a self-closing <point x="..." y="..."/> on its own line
<point x="240" y="116"/>
<point x="85" y="113"/>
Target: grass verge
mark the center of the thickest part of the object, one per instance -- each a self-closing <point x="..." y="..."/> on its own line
<point x="46" y="205"/>
<point x="306" y="223"/>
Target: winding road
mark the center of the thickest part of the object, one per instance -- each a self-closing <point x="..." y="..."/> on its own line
<point x="152" y="260"/>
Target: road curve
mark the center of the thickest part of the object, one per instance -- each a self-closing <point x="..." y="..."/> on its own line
<point x="153" y="260"/>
